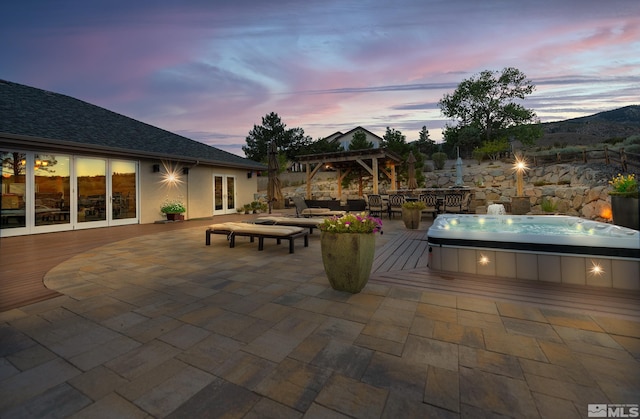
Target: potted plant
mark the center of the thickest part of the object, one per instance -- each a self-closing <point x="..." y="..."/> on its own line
<point x="173" y="209"/>
<point x="412" y="213"/>
<point x="348" y="245"/>
<point x="624" y="201"/>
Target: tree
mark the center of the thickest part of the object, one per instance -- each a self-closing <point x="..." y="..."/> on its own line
<point x="394" y="141"/>
<point x="425" y="144"/>
<point x="320" y="146"/>
<point x="494" y="148"/>
<point x="359" y="141"/>
<point x="486" y="103"/>
<point x="289" y="141"/>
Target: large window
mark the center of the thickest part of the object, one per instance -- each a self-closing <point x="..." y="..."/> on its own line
<point x="44" y="192"/>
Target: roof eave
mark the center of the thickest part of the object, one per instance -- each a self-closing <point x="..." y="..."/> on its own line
<point x="44" y="144"/>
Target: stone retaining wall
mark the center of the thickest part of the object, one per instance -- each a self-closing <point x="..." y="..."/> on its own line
<point x="571" y="189"/>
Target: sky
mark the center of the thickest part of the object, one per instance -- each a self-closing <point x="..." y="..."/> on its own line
<point x="212" y="69"/>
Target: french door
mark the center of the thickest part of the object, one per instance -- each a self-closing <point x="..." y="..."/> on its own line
<point x="224" y="194"/>
<point x="52" y="192"/>
<point x="104" y="200"/>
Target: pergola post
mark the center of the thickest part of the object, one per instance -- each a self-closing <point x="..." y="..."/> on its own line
<point x="308" y="181"/>
<point x="374" y="167"/>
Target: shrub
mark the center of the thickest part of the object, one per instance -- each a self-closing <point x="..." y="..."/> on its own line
<point x="548" y="205"/>
<point x="439" y="158"/>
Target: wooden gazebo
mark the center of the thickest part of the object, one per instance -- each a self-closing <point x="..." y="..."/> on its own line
<point x="372" y="160"/>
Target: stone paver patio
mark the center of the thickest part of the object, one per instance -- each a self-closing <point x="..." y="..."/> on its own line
<point x="164" y="326"/>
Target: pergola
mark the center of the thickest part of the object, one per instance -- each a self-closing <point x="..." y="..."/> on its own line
<point x="372" y="160"/>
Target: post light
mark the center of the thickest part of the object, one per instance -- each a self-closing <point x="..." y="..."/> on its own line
<point x="520" y="167"/>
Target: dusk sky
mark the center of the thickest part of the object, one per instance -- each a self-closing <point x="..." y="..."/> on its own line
<point x="210" y="70"/>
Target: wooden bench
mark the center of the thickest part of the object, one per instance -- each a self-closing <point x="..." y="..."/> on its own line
<point x="232" y="230"/>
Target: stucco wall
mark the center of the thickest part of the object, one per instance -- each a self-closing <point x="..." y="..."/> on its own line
<point x="194" y="189"/>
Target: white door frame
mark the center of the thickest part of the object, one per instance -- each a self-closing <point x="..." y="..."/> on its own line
<point x="224" y="207"/>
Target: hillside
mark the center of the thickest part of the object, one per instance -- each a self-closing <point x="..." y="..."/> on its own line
<point x="604" y="126"/>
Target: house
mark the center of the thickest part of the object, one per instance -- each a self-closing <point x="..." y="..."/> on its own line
<point x="68" y="164"/>
<point x="346" y="138"/>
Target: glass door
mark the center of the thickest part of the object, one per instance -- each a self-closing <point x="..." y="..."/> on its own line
<point x="124" y="192"/>
<point x="224" y="194"/>
<point x="52" y="187"/>
<point x="91" y="192"/>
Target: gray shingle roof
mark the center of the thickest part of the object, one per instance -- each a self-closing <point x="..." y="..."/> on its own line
<point x="56" y="119"/>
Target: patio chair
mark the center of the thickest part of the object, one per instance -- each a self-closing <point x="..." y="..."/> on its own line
<point x="395" y="204"/>
<point x="431" y="201"/>
<point x="302" y="210"/>
<point x="375" y="205"/>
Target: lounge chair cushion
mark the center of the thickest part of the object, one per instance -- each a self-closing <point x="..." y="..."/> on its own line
<point x="272" y="230"/>
<point x="252" y="231"/>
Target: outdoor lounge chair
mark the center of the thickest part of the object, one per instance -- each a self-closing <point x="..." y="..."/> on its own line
<point x="302" y="210"/>
<point x="309" y="223"/>
<point x="231" y="230"/>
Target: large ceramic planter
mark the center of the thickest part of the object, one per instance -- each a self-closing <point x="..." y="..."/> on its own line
<point x="625" y="211"/>
<point x="347" y="259"/>
<point x="411" y="218"/>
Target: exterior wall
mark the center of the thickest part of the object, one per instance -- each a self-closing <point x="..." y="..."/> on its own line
<point x="194" y="189"/>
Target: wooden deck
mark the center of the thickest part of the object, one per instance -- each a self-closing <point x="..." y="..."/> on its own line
<point x="24" y="260"/>
<point x="403" y="262"/>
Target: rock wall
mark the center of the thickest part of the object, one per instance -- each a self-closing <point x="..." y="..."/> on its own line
<point x="579" y="190"/>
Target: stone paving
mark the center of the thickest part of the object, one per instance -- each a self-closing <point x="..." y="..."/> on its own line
<point x="164" y="326"/>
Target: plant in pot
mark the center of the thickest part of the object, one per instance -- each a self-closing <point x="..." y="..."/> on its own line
<point x="173" y="209"/>
<point x="348" y="245"/>
<point x="624" y="201"/>
<point x="412" y="213"/>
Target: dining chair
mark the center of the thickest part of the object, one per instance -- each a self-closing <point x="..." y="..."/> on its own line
<point x="395" y="204"/>
<point x="375" y="205"/>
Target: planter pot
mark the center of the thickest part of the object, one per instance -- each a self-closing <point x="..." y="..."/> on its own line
<point x="175" y="217"/>
<point x="520" y="205"/>
<point x="411" y="218"/>
<point x="625" y="211"/>
<point x="347" y="259"/>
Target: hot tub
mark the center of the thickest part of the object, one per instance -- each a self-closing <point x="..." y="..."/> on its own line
<point x="553" y="248"/>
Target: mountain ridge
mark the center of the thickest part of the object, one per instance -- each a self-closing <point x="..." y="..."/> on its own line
<point x="607" y="126"/>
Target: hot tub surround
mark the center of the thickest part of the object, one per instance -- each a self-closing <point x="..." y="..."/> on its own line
<point x="560" y="249"/>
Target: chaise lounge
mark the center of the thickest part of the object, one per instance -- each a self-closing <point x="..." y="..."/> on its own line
<point x="231" y="230"/>
<point x="309" y="223"/>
